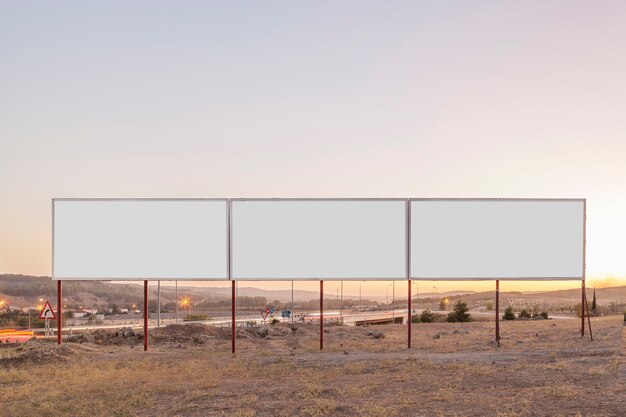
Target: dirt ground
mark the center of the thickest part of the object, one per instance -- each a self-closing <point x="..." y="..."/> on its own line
<point x="543" y="368"/>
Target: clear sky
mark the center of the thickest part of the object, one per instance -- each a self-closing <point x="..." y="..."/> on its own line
<point x="312" y="99"/>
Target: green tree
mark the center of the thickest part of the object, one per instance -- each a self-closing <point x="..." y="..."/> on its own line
<point x="509" y="314"/>
<point x="427" y="316"/>
<point x="459" y="314"/>
<point x="593" y="303"/>
<point x="524" y="314"/>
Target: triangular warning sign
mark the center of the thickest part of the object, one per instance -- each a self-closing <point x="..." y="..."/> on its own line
<point x="47" y="312"/>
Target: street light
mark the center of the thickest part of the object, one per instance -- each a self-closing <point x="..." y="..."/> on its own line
<point x="360" y="283"/>
<point x="187" y="303"/>
<point x="393" y="301"/>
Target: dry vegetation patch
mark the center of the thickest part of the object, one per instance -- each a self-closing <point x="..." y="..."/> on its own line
<point x="542" y="368"/>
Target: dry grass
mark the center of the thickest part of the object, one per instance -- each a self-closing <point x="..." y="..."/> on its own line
<point x="542" y="368"/>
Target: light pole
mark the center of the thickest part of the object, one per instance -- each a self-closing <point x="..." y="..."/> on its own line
<point x="341" y="305"/>
<point x="393" y="302"/>
<point x="186" y="303"/>
<point x="176" y="301"/>
<point x="360" y="284"/>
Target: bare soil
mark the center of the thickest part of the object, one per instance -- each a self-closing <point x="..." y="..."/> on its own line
<point x="543" y="368"/>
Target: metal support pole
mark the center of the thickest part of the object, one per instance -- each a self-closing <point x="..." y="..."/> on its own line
<point x="292" y="309"/>
<point x="234" y="316"/>
<point x="588" y="317"/>
<point x="59" y="312"/>
<point x="145" y="315"/>
<point x="498" y="312"/>
<point x="582" y="310"/>
<point x="321" y="314"/>
<point x="409" y="317"/>
<point x="407" y="255"/>
<point x="176" y="301"/>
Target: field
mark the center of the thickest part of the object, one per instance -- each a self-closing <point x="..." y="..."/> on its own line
<point x="543" y="368"/>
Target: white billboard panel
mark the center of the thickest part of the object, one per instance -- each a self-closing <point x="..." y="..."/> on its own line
<point x="497" y="239"/>
<point x="318" y="239"/>
<point x="138" y="239"/>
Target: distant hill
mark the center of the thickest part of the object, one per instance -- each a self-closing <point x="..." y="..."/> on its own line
<point x="26" y="290"/>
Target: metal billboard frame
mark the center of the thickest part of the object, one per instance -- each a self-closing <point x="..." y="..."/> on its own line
<point x="129" y="279"/>
<point x="565" y="200"/>
<point x="329" y="278"/>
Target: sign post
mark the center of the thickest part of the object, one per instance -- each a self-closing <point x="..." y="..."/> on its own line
<point x="47" y="313"/>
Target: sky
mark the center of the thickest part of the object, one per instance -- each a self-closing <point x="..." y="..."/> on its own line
<point x="313" y="99"/>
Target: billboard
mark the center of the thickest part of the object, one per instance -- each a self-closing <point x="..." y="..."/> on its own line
<point x="136" y="239"/>
<point x="517" y="239"/>
<point x="315" y="239"/>
<point x="304" y="239"/>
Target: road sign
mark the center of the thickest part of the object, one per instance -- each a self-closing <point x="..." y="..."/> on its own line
<point x="264" y="314"/>
<point x="47" y="312"/>
<point x="285" y="313"/>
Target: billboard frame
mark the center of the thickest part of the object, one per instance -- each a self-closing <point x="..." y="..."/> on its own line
<point x="504" y="278"/>
<point x="329" y="278"/>
<point x="148" y="199"/>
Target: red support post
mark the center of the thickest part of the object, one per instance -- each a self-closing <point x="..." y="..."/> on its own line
<point x="582" y="310"/>
<point x="498" y="312"/>
<point x="234" y="316"/>
<point x="409" y="319"/>
<point x="59" y="312"/>
<point x="145" y="315"/>
<point x="321" y="314"/>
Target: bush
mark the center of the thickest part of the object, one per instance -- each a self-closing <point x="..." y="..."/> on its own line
<point x="194" y="317"/>
<point x="415" y="318"/>
<point x="427" y="316"/>
<point x="509" y="314"/>
<point x="524" y="314"/>
<point x="459" y="314"/>
<point x="274" y="320"/>
<point x="544" y="314"/>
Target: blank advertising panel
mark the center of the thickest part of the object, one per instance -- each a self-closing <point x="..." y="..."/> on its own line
<point x="140" y="239"/>
<point x="318" y="239"/>
<point x="497" y="239"/>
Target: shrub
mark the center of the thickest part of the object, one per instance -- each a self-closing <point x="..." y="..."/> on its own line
<point x="509" y="314"/>
<point x="427" y="316"/>
<point x="544" y="314"/>
<point x="274" y="320"/>
<point x="193" y="317"/>
<point x="415" y="318"/>
<point x="524" y="314"/>
<point x="459" y="314"/>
